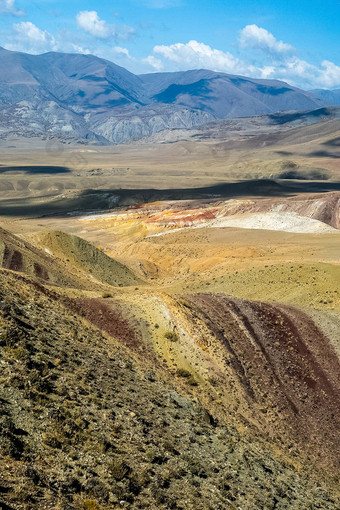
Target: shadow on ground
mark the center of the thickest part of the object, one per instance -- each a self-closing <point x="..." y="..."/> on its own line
<point x="34" y="170"/>
<point x="103" y="200"/>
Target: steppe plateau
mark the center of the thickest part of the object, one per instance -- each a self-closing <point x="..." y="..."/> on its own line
<point x="170" y="318"/>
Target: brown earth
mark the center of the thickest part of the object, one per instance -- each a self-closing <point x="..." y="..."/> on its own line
<point x="286" y="367"/>
<point x="87" y="425"/>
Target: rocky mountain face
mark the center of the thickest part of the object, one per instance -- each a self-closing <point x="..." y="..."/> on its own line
<point x="86" y="97"/>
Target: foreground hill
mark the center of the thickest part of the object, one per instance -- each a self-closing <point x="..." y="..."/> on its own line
<point x="85" y="97"/>
<point x="164" y="397"/>
<point x="86" y="424"/>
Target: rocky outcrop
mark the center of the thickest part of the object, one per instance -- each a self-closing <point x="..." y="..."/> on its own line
<point x="145" y="122"/>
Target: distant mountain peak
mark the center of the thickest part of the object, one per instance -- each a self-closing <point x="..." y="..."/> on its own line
<point x="97" y="98"/>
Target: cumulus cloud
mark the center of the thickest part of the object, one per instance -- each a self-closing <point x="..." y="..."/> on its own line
<point x="9" y="7"/>
<point x="193" y="55"/>
<point x="29" y="38"/>
<point x="259" y="38"/>
<point x="116" y="54"/>
<point x="277" y="60"/>
<point x="302" y="74"/>
<point x="90" y="22"/>
<point x="330" y="76"/>
<point x="154" y="63"/>
<point x="75" y="48"/>
<point x="120" y="56"/>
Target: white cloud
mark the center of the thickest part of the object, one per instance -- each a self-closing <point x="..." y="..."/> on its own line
<point x="74" y="48"/>
<point x="193" y="55"/>
<point x="302" y="74"/>
<point x="116" y="54"/>
<point x="119" y="55"/>
<point x="155" y="63"/>
<point x="279" y="61"/>
<point x="9" y="7"/>
<point x="121" y="51"/>
<point x="288" y="67"/>
<point x="90" y="22"/>
<point x="330" y="76"/>
<point x="276" y="61"/>
<point x="256" y="37"/>
<point x="29" y="38"/>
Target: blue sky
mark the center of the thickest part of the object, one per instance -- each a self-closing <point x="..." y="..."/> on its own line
<point x="297" y="41"/>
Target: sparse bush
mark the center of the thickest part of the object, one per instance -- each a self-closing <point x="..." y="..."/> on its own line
<point x="213" y="381"/>
<point x="292" y="171"/>
<point x="192" y="381"/>
<point x="184" y="303"/>
<point x="106" y="295"/>
<point x="119" y="469"/>
<point x="172" y="336"/>
<point x="182" y="372"/>
<point x="67" y="439"/>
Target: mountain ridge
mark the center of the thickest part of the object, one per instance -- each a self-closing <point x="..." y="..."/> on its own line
<point x="88" y="97"/>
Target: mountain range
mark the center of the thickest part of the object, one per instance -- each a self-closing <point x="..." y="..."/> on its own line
<point x="86" y="97"/>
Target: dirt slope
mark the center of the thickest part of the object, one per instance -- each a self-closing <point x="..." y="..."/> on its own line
<point x="284" y="367"/>
<point x="234" y="385"/>
<point x="84" y="425"/>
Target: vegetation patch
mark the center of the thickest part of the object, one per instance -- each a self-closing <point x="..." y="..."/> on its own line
<point x="172" y="336"/>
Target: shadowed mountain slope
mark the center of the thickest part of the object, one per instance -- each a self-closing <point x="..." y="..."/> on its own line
<point x="331" y="97"/>
<point x="83" y="81"/>
<point x="19" y="255"/>
<point x="227" y="96"/>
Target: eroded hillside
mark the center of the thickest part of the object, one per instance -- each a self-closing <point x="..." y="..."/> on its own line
<point x="156" y="391"/>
